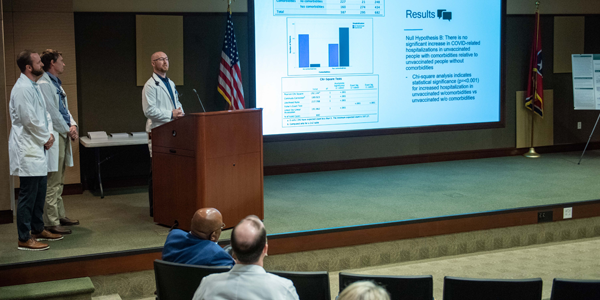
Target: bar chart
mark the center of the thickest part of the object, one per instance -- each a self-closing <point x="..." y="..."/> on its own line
<point x="329" y="46"/>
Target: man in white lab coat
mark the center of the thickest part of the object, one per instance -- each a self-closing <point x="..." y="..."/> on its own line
<point x="160" y="102"/>
<point x="64" y="129"/>
<point x="30" y="138"/>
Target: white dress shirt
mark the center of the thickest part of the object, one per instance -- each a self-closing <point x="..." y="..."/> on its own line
<point x="245" y="282"/>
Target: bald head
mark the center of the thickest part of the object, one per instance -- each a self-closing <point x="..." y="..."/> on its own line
<point x="207" y="224"/>
<point x="248" y="240"/>
<point x="160" y="63"/>
<point x="156" y="55"/>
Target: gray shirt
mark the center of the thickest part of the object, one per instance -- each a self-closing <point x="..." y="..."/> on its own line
<point x="245" y="282"/>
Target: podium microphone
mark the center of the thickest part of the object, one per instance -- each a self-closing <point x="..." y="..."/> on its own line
<point x="199" y="99"/>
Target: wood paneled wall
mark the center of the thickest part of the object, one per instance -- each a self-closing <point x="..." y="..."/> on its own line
<point x="40" y="25"/>
<point x="5" y="180"/>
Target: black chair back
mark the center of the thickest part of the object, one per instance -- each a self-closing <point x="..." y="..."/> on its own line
<point x="309" y="285"/>
<point x="456" y="288"/>
<point x="178" y="281"/>
<point x="399" y="287"/>
<point x="575" y="289"/>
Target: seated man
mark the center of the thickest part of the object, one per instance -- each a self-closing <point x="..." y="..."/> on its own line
<point x="199" y="246"/>
<point x="247" y="279"/>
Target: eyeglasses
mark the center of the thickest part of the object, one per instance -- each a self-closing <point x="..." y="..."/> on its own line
<point x="162" y="59"/>
<point x="222" y="225"/>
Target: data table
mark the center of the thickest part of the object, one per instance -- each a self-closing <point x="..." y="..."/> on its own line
<point x="312" y="101"/>
<point x="329" y="7"/>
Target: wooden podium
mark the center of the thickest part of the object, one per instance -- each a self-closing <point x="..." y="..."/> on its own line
<point x="212" y="159"/>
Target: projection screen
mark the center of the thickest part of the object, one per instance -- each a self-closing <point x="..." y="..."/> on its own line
<point x="354" y="65"/>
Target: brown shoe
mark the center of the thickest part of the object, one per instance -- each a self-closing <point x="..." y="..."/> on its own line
<point x="58" y="229"/>
<point x="32" y="245"/>
<point x="68" y="222"/>
<point x="47" y="236"/>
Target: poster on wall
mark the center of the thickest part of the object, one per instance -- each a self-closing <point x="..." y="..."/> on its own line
<point x="586" y="81"/>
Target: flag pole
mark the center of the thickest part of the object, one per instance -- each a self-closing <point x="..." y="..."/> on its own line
<point x="532" y="153"/>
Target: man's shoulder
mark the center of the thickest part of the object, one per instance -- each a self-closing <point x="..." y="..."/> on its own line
<point x="186" y="239"/>
<point x="215" y="277"/>
<point x="252" y="271"/>
<point x="21" y="89"/>
<point x="150" y="82"/>
<point x="176" y="234"/>
<point x="279" y="280"/>
<point x="45" y="79"/>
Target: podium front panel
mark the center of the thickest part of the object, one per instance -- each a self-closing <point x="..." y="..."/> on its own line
<point x="174" y="189"/>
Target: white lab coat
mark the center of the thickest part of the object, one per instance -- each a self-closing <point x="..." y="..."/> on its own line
<point x="31" y="128"/>
<point x="59" y="127"/>
<point x="156" y="102"/>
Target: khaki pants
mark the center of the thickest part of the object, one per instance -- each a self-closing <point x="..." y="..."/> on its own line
<point x="54" y="210"/>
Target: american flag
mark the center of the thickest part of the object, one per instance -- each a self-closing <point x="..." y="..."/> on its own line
<point x="230" y="74"/>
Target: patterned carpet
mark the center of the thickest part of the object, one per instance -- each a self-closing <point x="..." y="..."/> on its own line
<point x="571" y="259"/>
<point x="567" y="249"/>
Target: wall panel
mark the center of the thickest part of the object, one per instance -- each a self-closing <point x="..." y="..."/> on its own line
<point x="159" y="33"/>
<point x="40" y="31"/>
<point x="159" y="6"/>
<point x="559" y="7"/>
<point x="569" y="37"/>
<point x="5" y="178"/>
<point x="43" y="6"/>
<point x="10" y="56"/>
<point x="543" y="128"/>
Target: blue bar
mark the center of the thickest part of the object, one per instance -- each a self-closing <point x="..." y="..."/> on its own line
<point x="315" y="65"/>
<point x="303" y="53"/>
<point x="344" y="47"/>
<point x="333" y="55"/>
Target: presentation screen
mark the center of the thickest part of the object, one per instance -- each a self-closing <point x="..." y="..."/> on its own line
<point x="348" y="65"/>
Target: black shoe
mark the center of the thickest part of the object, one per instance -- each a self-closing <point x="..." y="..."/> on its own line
<point x="58" y="229"/>
<point x="68" y="222"/>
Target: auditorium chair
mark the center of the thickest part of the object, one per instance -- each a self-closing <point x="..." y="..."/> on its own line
<point x="456" y="288"/>
<point x="178" y="281"/>
<point x="575" y="289"/>
<point x="399" y="287"/>
<point x="309" y="285"/>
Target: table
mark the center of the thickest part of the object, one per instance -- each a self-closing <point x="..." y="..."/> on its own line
<point x="110" y="142"/>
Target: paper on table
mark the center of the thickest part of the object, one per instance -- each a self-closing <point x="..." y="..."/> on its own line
<point x="120" y="135"/>
<point x="97" y="135"/>
<point x="141" y="134"/>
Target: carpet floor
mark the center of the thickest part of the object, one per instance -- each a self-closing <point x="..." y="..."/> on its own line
<point x="300" y="202"/>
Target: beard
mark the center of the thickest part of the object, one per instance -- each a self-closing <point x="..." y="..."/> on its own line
<point x="37" y="72"/>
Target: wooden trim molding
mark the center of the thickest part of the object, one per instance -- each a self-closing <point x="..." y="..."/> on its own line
<point x="416" y="159"/>
<point x="391" y="231"/>
<point x="72" y="189"/>
<point x="81" y="266"/>
<point x="140" y="260"/>
<point x="6" y="216"/>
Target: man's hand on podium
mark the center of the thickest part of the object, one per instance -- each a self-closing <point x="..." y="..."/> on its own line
<point x="178" y="113"/>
